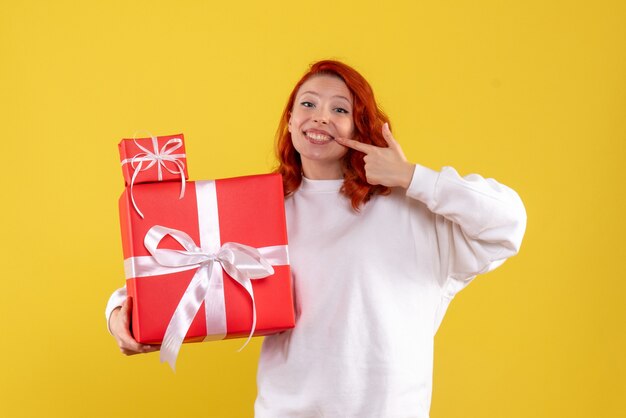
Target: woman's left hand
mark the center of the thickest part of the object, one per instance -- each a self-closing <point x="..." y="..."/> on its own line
<point x="385" y="166"/>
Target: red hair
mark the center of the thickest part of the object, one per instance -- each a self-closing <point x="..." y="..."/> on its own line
<point x="368" y="122"/>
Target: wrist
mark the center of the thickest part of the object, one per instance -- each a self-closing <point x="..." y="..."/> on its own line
<point x="406" y="175"/>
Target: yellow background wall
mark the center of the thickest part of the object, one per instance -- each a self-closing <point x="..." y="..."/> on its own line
<point x="532" y="93"/>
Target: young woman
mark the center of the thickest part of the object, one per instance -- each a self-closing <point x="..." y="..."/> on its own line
<point x="378" y="248"/>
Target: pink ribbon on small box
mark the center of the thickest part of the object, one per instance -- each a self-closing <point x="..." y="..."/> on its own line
<point x="158" y="158"/>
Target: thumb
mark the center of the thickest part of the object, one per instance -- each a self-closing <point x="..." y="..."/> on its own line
<point x="127" y="308"/>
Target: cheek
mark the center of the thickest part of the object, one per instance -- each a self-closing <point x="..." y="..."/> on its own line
<point x="294" y="122"/>
<point x="348" y="129"/>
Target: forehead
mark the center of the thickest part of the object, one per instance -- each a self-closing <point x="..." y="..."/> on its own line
<point x="327" y="86"/>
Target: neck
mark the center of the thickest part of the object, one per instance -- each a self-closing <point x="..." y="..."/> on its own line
<point x="322" y="171"/>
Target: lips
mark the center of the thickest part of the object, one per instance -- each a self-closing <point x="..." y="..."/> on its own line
<point x="318" y="137"/>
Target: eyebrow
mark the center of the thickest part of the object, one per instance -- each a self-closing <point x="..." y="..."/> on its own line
<point x="332" y="97"/>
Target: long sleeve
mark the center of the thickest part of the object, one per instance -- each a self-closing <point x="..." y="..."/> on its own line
<point x="116" y="300"/>
<point x="479" y="222"/>
<point x="372" y="288"/>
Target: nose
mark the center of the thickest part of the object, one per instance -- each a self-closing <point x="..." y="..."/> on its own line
<point x="321" y="117"/>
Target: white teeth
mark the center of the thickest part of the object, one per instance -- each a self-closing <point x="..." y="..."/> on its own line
<point x="318" y="137"/>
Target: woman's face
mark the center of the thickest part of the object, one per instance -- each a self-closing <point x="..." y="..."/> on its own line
<point x="322" y="111"/>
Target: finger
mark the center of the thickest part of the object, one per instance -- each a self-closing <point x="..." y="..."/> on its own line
<point x="129" y="342"/>
<point x="131" y="352"/>
<point x="388" y="135"/>
<point x="124" y="315"/>
<point x="149" y="348"/>
<point x="128" y="345"/>
<point x="359" y="146"/>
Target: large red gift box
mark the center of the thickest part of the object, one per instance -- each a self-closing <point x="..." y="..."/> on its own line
<point x="245" y="210"/>
<point x="146" y="160"/>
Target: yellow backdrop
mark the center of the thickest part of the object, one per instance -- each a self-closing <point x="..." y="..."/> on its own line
<point x="532" y="93"/>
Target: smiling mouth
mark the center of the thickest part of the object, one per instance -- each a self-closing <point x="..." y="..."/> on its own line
<point x="318" y="138"/>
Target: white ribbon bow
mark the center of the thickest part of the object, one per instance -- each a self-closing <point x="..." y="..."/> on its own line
<point x="243" y="263"/>
<point x="158" y="157"/>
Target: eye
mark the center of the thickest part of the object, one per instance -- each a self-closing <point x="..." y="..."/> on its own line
<point x="341" y="110"/>
<point x="307" y="104"/>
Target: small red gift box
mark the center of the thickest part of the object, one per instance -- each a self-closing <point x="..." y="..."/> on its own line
<point x="217" y="227"/>
<point x="147" y="160"/>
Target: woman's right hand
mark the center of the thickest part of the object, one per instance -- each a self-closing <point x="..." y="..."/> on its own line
<point x="119" y="323"/>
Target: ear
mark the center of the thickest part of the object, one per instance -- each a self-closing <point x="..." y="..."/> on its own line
<point x="289" y="123"/>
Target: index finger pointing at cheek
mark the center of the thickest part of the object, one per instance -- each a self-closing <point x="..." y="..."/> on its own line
<point x="351" y="143"/>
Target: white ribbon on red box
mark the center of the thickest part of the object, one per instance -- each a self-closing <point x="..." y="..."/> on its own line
<point x="243" y="263"/>
<point x="158" y="157"/>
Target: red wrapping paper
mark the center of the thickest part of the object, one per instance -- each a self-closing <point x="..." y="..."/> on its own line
<point x="128" y="150"/>
<point x="251" y="212"/>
